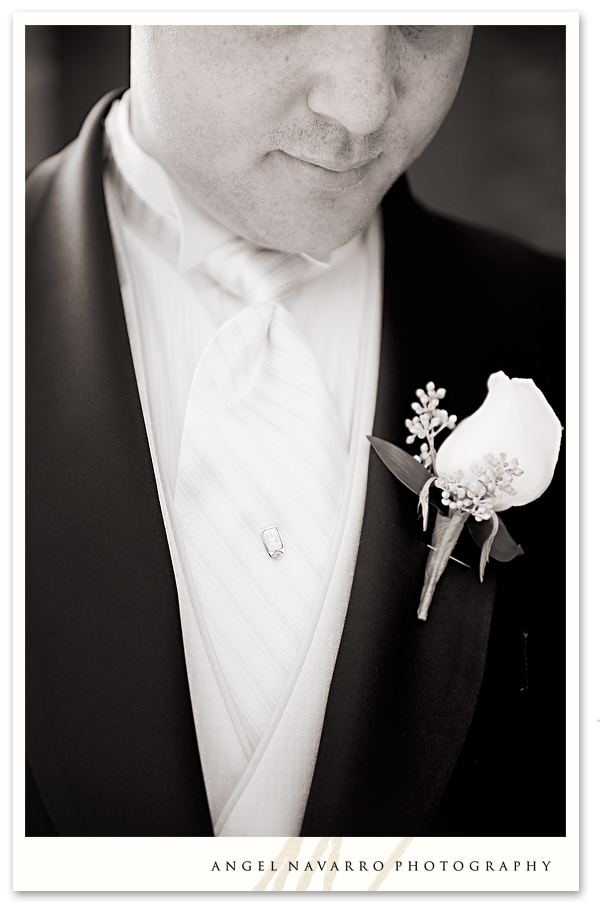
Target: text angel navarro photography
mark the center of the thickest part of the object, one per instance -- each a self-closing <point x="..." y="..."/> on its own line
<point x="443" y="865"/>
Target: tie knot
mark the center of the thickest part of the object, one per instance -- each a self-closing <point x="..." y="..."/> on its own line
<point x="255" y="274"/>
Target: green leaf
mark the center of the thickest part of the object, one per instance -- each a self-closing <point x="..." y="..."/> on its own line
<point x="504" y="548"/>
<point x="424" y="502"/>
<point x="402" y="465"/>
<point x="487" y="547"/>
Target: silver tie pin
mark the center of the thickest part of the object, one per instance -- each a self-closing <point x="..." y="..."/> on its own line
<point x="273" y="542"/>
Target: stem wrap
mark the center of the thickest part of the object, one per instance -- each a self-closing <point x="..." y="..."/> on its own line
<point x="445" y="535"/>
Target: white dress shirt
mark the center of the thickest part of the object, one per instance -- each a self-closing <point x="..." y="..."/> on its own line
<point x="173" y="310"/>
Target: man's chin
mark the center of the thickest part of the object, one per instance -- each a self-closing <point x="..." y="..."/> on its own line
<point x="319" y="241"/>
<point x="293" y="223"/>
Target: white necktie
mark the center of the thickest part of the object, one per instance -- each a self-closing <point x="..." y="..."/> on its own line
<point x="260" y="480"/>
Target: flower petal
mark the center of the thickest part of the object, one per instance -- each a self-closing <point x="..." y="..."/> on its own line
<point x="515" y="418"/>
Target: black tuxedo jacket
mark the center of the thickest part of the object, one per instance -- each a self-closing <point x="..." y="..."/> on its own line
<point x="454" y="726"/>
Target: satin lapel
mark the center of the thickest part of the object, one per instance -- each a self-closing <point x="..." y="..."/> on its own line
<point x="403" y="691"/>
<point x="110" y="731"/>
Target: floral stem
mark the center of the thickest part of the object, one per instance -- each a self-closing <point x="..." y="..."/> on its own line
<point x="432" y="451"/>
<point x="445" y="535"/>
<point x="430" y="438"/>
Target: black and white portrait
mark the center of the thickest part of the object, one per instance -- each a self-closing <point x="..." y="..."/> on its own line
<point x="295" y="430"/>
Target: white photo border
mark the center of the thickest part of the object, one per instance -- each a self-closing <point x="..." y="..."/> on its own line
<point x="183" y="864"/>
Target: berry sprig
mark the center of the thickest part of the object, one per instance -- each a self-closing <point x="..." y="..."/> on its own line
<point x="480" y="496"/>
<point x="430" y="420"/>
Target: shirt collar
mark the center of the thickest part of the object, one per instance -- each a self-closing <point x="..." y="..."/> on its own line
<point x="198" y="232"/>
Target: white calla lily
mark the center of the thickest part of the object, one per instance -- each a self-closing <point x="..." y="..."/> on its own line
<point x="514" y="419"/>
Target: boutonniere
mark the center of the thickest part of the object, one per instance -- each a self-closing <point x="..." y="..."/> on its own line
<point x="504" y="455"/>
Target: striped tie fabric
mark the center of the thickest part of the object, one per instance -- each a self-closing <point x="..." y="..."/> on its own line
<point x="260" y="480"/>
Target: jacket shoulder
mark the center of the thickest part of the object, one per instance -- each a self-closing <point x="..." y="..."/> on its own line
<point x="501" y="301"/>
<point x="496" y="256"/>
<point x="71" y="170"/>
<point x="39" y="184"/>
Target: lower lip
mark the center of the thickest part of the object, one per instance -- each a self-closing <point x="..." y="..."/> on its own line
<point x="322" y="176"/>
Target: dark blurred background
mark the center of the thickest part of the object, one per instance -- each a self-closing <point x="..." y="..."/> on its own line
<point x="498" y="160"/>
